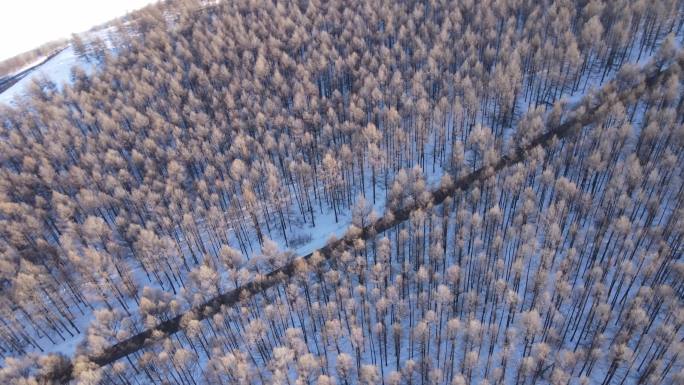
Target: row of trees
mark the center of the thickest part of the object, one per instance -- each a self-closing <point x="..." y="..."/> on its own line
<point x="134" y="194"/>
<point x="15" y="63"/>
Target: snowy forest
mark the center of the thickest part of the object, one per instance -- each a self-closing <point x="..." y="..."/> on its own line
<point x="351" y="192"/>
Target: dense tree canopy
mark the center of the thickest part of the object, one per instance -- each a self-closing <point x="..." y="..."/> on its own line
<point x="217" y="138"/>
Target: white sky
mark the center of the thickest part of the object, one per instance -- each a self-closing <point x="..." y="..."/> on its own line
<point x="26" y="24"/>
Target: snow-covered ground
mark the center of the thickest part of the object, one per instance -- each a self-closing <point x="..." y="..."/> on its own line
<point x="58" y="68"/>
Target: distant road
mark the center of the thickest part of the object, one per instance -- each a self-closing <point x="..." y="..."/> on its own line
<point x="8" y="81"/>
